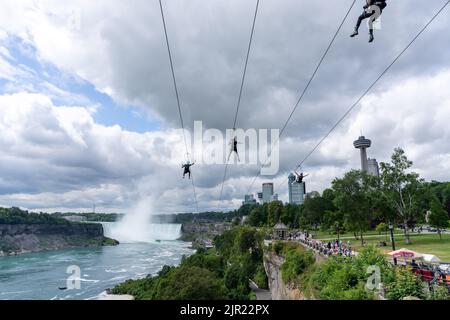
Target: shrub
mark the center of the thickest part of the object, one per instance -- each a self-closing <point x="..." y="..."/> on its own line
<point x="205" y="259"/>
<point x="341" y="278"/>
<point x="438" y="292"/>
<point x="191" y="283"/>
<point x="344" y="285"/>
<point x="297" y="260"/>
<point x="278" y="247"/>
<point x="405" y="284"/>
<point x="234" y="276"/>
<point x="260" y="278"/>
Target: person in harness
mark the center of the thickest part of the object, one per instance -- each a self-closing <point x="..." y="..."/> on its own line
<point x="372" y="13"/>
<point x="234" y="144"/>
<point x="187" y="169"/>
<point x="300" y="176"/>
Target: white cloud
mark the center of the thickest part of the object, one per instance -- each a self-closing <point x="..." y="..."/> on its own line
<point x="63" y="154"/>
<point x="58" y="156"/>
<point x="120" y="49"/>
<point x="53" y="154"/>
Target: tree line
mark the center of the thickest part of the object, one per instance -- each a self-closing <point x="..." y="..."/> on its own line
<point x="18" y="216"/>
<point x="358" y="202"/>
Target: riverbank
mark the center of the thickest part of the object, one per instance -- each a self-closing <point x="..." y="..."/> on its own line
<point x="17" y="239"/>
<point x="115" y="297"/>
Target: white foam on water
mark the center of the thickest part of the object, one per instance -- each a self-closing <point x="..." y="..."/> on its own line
<point x="116" y="271"/>
<point x="136" y="226"/>
<point x="118" y="278"/>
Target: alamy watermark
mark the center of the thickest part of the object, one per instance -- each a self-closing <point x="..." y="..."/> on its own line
<point x="235" y="146"/>
<point x="373" y="282"/>
<point x="73" y="282"/>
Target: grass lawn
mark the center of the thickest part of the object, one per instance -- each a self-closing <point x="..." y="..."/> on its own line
<point x="423" y="243"/>
<point x="326" y="234"/>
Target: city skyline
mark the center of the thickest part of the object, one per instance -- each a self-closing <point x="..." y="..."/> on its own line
<point x="297" y="191"/>
<point x="368" y="165"/>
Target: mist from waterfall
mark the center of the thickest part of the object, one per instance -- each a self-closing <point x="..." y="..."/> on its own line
<point x="137" y="226"/>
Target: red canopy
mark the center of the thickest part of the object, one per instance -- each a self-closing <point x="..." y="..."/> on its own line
<point x="404" y="253"/>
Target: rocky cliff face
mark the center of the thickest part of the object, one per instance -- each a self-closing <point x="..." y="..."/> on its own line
<point x="25" y="238"/>
<point x="202" y="230"/>
<point x="278" y="289"/>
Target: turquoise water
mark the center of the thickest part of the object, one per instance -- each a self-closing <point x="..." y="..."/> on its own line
<point x="40" y="275"/>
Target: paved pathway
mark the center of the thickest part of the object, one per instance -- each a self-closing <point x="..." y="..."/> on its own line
<point x="353" y="238"/>
<point x="378" y="235"/>
<point x="261" y="294"/>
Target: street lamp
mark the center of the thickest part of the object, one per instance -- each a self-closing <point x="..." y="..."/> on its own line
<point x="391" y="228"/>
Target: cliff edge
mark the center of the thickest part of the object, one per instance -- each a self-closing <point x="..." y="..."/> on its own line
<point x="25" y="238"/>
<point x="278" y="289"/>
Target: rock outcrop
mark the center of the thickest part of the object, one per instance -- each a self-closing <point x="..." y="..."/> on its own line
<point x="24" y="238"/>
<point x="278" y="289"/>
<point x="202" y="230"/>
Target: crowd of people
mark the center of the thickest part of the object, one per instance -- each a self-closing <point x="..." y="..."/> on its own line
<point x="328" y="248"/>
<point x="431" y="273"/>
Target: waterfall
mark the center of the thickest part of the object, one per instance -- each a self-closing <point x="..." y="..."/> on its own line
<point x="148" y="233"/>
<point x="137" y="226"/>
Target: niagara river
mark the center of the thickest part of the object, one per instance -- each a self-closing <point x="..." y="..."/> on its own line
<point x="48" y="275"/>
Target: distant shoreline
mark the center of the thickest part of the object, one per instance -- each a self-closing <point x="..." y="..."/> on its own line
<point x="18" y="239"/>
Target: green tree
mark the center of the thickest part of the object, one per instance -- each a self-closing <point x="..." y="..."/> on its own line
<point x="236" y="282"/>
<point x="352" y="198"/>
<point x="314" y="209"/>
<point x="176" y="283"/>
<point x="288" y="214"/>
<point x="382" y="228"/>
<point x="438" y="217"/>
<point x="207" y="259"/>
<point x="402" y="191"/>
<point x="275" y="209"/>
<point x="257" y="217"/>
<point x="191" y="283"/>
<point x="442" y="191"/>
<point x="248" y="240"/>
<point x="328" y="194"/>
<point x="304" y="223"/>
<point x="334" y="222"/>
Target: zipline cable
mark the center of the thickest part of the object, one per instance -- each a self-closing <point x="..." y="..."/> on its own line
<point x="308" y="84"/>
<point x="177" y="97"/>
<point x="240" y="92"/>
<point x="354" y="105"/>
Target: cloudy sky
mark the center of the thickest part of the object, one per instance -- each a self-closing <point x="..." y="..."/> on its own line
<point x="88" y="113"/>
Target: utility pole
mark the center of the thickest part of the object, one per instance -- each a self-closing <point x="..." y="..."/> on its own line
<point x="391" y="228"/>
